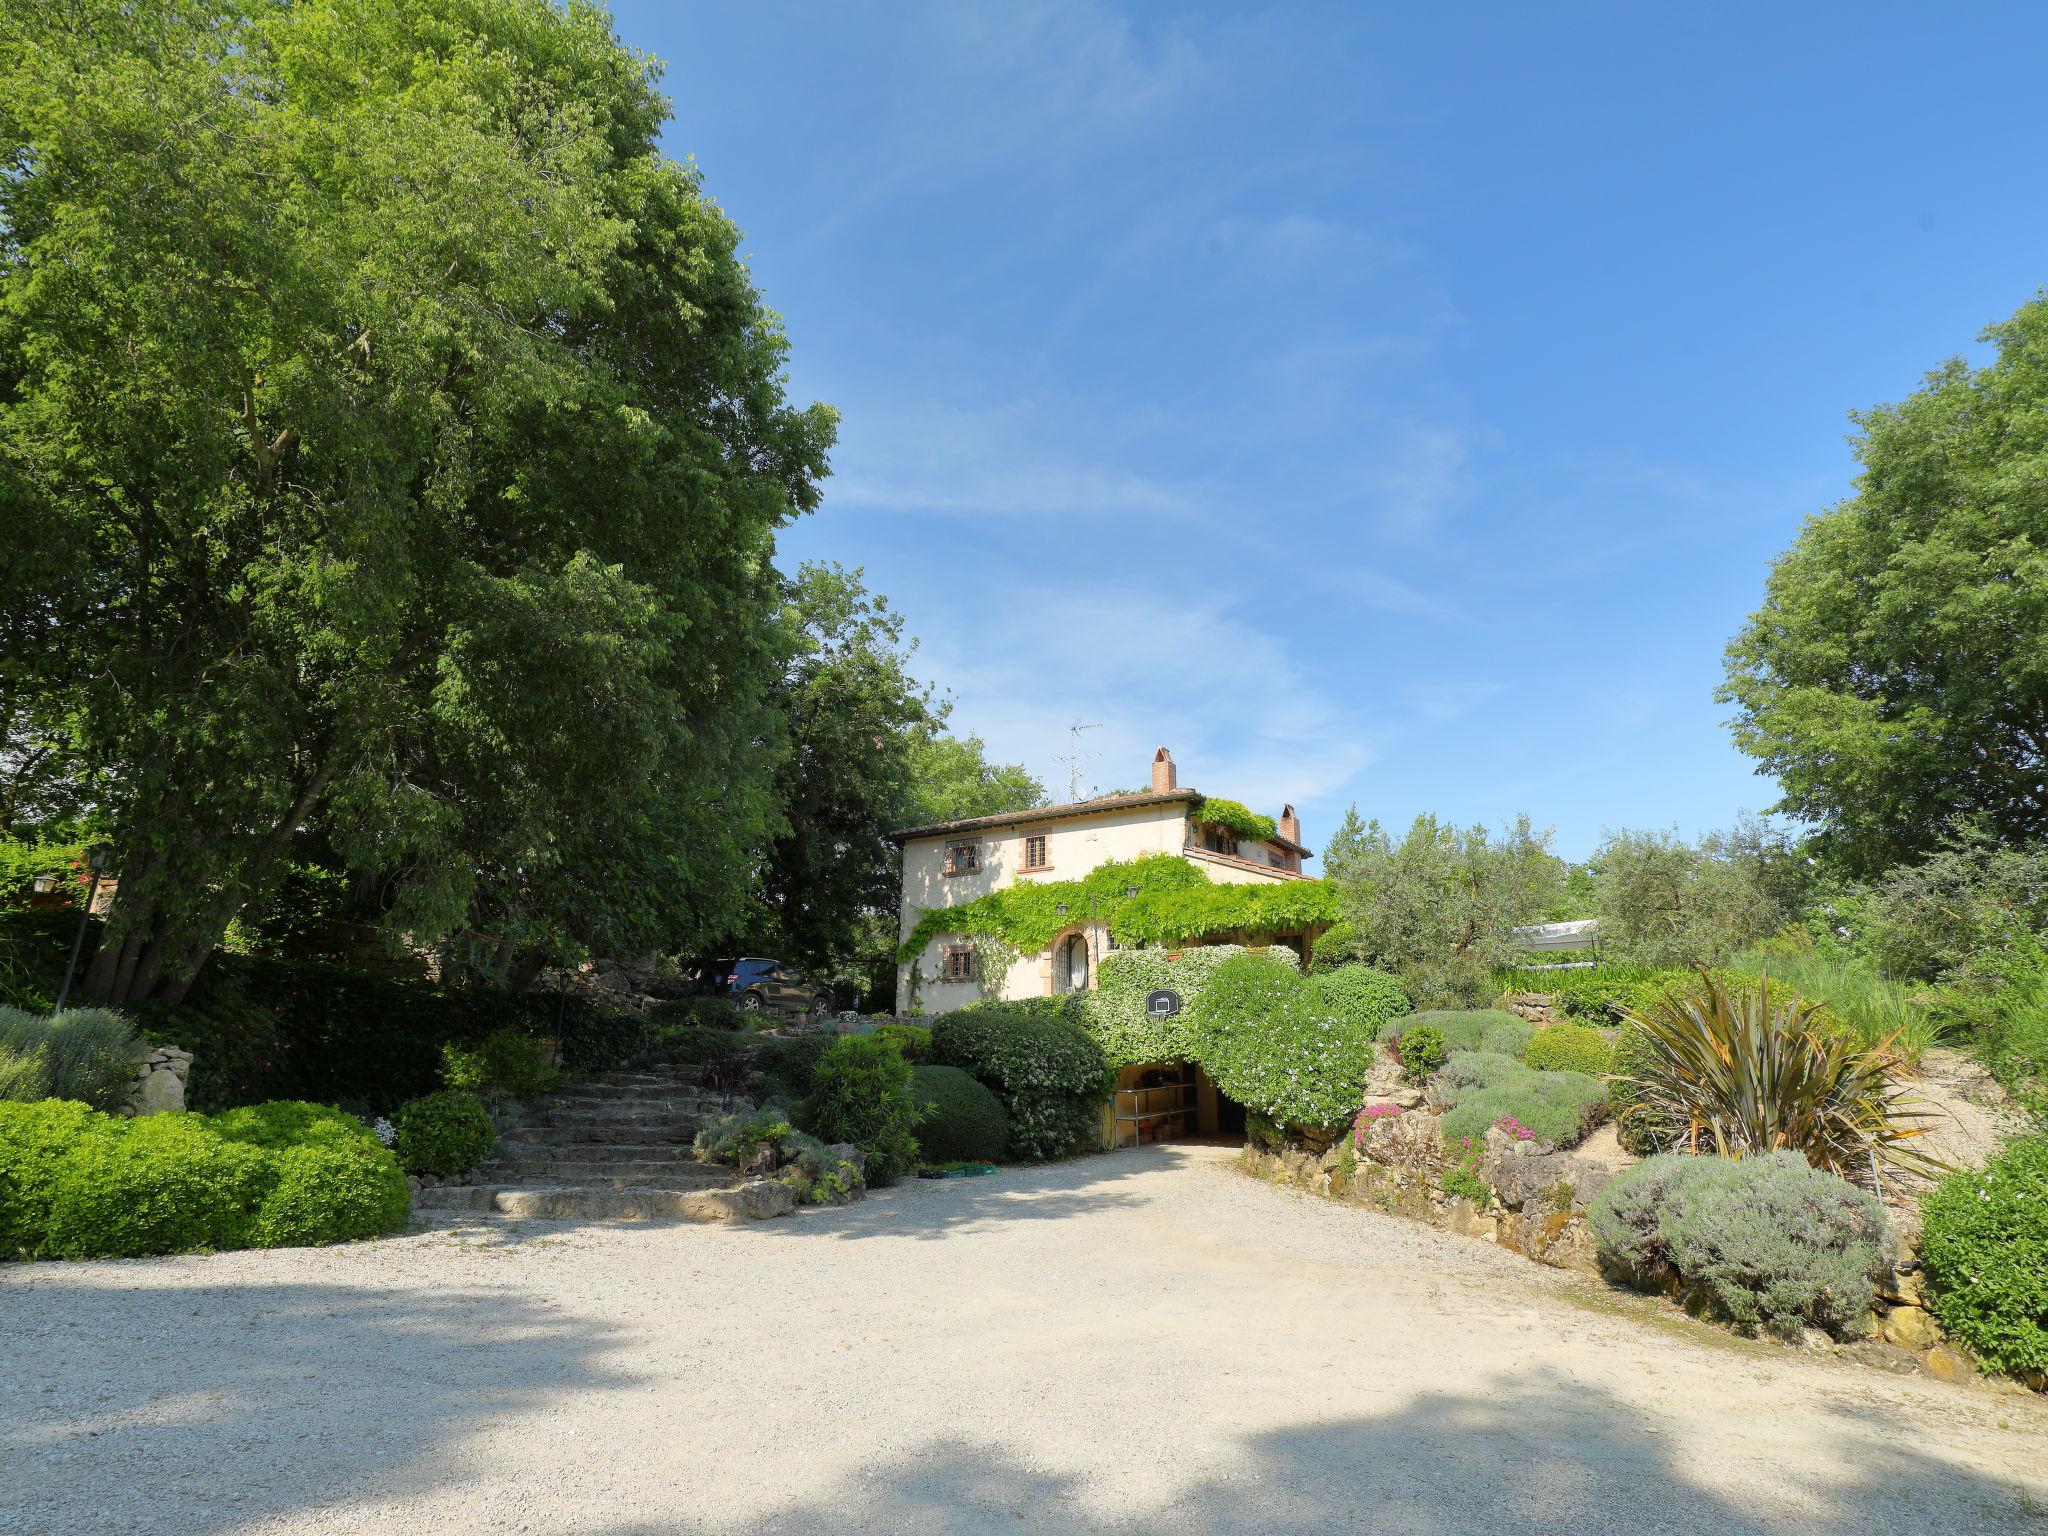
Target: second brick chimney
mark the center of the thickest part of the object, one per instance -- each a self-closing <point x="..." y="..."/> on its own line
<point x="1290" y="824"/>
<point x="1163" y="774"/>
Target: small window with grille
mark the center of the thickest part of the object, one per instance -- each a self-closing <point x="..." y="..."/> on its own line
<point x="1034" y="854"/>
<point x="963" y="858"/>
<point x="956" y="962"/>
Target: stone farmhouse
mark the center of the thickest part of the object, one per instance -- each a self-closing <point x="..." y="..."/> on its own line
<point x="951" y="863"/>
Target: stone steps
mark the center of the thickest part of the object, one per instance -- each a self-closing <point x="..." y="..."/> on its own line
<point x="656" y="1175"/>
<point x="614" y="1147"/>
<point x="756" y="1201"/>
<point x="568" y="1127"/>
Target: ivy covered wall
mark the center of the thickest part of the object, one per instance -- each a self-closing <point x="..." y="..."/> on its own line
<point x="1175" y="904"/>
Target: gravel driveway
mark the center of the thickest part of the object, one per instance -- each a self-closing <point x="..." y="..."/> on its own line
<point x="1147" y="1342"/>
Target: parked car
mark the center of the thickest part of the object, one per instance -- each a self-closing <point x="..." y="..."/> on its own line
<point x="757" y="985"/>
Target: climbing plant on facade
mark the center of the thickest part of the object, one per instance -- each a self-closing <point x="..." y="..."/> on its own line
<point x="1241" y="820"/>
<point x="1174" y="904"/>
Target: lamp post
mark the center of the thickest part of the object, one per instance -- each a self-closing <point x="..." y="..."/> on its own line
<point x="96" y="861"/>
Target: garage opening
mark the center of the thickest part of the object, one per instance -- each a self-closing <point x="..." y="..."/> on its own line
<point x="1171" y="1101"/>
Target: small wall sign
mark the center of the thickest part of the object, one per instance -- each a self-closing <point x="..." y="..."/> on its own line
<point x="1163" y="1004"/>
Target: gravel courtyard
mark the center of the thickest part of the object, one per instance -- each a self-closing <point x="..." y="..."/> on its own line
<point x="1147" y="1342"/>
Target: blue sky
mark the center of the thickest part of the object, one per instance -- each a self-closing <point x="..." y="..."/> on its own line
<point x="1396" y="405"/>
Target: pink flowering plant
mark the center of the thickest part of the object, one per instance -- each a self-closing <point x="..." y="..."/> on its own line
<point x="1515" y="1128"/>
<point x="1369" y="1117"/>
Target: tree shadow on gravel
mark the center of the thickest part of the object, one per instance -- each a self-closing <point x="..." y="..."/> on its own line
<point x="1540" y="1455"/>
<point x="137" y="1407"/>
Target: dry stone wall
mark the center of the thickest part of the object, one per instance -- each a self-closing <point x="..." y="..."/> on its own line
<point x="160" y="1079"/>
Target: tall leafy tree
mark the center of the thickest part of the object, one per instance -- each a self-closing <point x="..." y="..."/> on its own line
<point x="867" y="752"/>
<point x="1896" y="678"/>
<point x="952" y="780"/>
<point x="402" y="444"/>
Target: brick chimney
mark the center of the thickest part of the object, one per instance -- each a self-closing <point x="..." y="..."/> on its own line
<point x="1163" y="775"/>
<point x="1290" y="824"/>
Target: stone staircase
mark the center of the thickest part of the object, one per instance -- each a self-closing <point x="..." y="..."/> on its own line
<point x="614" y="1147"/>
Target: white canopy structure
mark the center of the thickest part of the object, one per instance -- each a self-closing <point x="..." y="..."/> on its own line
<point x="1584" y="934"/>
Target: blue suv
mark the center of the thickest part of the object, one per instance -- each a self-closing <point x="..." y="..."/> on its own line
<point x="758" y="986"/>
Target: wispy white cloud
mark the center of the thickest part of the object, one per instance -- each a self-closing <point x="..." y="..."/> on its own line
<point x="1152" y="665"/>
<point x="1379" y="592"/>
<point x="1426" y="472"/>
<point x="1022" y="458"/>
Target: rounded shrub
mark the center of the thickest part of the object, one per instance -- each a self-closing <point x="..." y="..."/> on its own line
<point x="1335" y="947"/>
<point x="444" y="1133"/>
<point x="1557" y="1107"/>
<point x="964" y="1123"/>
<point x="1360" y="997"/>
<point x="1036" y="1056"/>
<point x="861" y="1093"/>
<point x="1569" y="1048"/>
<point x="1767" y="1241"/>
<point x="163" y="1184"/>
<point x="331" y="1190"/>
<point x="1985" y="1248"/>
<point x="1644" y="1131"/>
<point x="1270" y="1040"/>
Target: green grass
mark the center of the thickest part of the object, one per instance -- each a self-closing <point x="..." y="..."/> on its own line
<point x="1865" y="1003"/>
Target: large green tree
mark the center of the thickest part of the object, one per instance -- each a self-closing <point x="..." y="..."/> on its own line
<point x="401" y="443"/>
<point x="867" y="753"/>
<point x="1896" y="678"/>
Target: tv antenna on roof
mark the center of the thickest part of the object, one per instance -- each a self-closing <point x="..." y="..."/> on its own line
<point x="1076" y="758"/>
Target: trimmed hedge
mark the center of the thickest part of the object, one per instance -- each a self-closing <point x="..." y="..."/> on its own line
<point x="35" y="1139"/>
<point x="1570" y="1048"/>
<point x="963" y="1121"/>
<point x="1038" y="1057"/>
<point x="1764" y="1241"/>
<point x="77" y="1184"/>
<point x="332" y="1192"/>
<point x="444" y="1133"/>
<point x="1270" y="1039"/>
<point x="1985" y="1248"/>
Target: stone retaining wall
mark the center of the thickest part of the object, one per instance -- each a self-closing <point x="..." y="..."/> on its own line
<point x="1536" y="1207"/>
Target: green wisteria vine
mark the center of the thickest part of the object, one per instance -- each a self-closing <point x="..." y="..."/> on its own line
<point x="1175" y="904"/>
<point x="1247" y="823"/>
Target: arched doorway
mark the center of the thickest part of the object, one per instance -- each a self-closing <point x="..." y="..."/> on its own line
<point x="1070" y="964"/>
